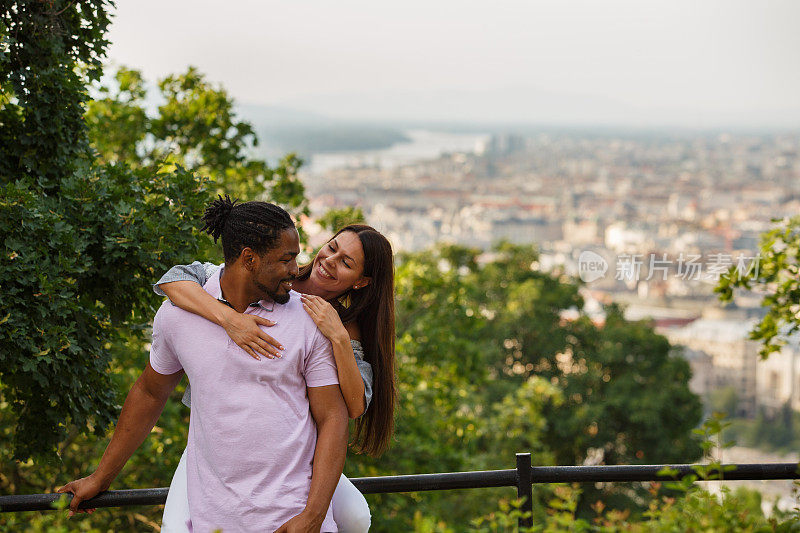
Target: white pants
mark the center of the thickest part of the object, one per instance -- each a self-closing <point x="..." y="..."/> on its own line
<point x="350" y="509"/>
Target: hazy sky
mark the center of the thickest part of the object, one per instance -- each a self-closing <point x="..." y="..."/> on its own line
<point x="698" y="63"/>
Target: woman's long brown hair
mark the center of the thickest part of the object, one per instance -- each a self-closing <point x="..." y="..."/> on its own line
<point x="372" y="308"/>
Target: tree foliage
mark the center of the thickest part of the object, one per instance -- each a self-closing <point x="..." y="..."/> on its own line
<point x="79" y="238"/>
<point x="490" y="366"/>
<point x="683" y="505"/>
<point x="776" y="275"/>
<point x="195" y="127"/>
<point x="335" y="219"/>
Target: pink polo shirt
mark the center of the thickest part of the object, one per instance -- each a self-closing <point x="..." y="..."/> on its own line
<point x="251" y="433"/>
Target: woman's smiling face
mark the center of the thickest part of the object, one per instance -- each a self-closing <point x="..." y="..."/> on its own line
<point x="339" y="265"/>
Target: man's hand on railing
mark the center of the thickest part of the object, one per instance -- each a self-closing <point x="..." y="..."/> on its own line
<point x="142" y="408"/>
<point x="82" y="489"/>
<point x="302" y="523"/>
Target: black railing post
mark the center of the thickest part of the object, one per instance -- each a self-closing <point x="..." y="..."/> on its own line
<point x="525" y="489"/>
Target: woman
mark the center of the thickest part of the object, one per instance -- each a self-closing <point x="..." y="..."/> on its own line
<point x="348" y="290"/>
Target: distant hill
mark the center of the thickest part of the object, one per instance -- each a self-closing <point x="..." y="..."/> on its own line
<point x="281" y="117"/>
<point x="282" y="130"/>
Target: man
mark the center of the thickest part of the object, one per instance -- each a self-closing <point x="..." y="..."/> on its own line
<point x="267" y="438"/>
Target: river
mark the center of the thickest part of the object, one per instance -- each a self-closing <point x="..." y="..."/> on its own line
<point x="422" y="145"/>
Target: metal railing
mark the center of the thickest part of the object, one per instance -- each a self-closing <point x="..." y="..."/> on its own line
<point x="522" y="477"/>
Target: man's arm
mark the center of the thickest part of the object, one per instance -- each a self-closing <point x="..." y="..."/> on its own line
<point x="330" y="414"/>
<point x="140" y="412"/>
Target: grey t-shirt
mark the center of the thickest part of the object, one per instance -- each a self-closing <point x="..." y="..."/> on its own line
<point x="201" y="272"/>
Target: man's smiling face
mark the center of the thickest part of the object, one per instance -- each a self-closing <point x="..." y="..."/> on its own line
<point x="277" y="268"/>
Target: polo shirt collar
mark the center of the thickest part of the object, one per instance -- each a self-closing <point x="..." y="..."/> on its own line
<point x="214" y="288"/>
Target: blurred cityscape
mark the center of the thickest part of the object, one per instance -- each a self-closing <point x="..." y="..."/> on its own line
<point x="664" y="215"/>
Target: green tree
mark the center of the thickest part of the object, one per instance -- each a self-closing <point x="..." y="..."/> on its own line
<point x="117" y="121"/>
<point x="196" y="128"/>
<point x="335" y="219"/>
<point x="626" y="399"/>
<point x="79" y="238"/>
<point x="626" y="396"/>
<point x="775" y="273"/>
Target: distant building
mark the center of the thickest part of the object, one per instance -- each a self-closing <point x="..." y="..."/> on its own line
<point x="778" y="379"/>
<point x="625" y="238"/>
<point x="733" y="358"/>
<point x="520" y="230"/>
<point x="582" y="232"/>
<point x="702" y="365"/>
<point x="505" y="144"/>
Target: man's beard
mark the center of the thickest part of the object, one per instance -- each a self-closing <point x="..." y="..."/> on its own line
<point x="277" y="298"/>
